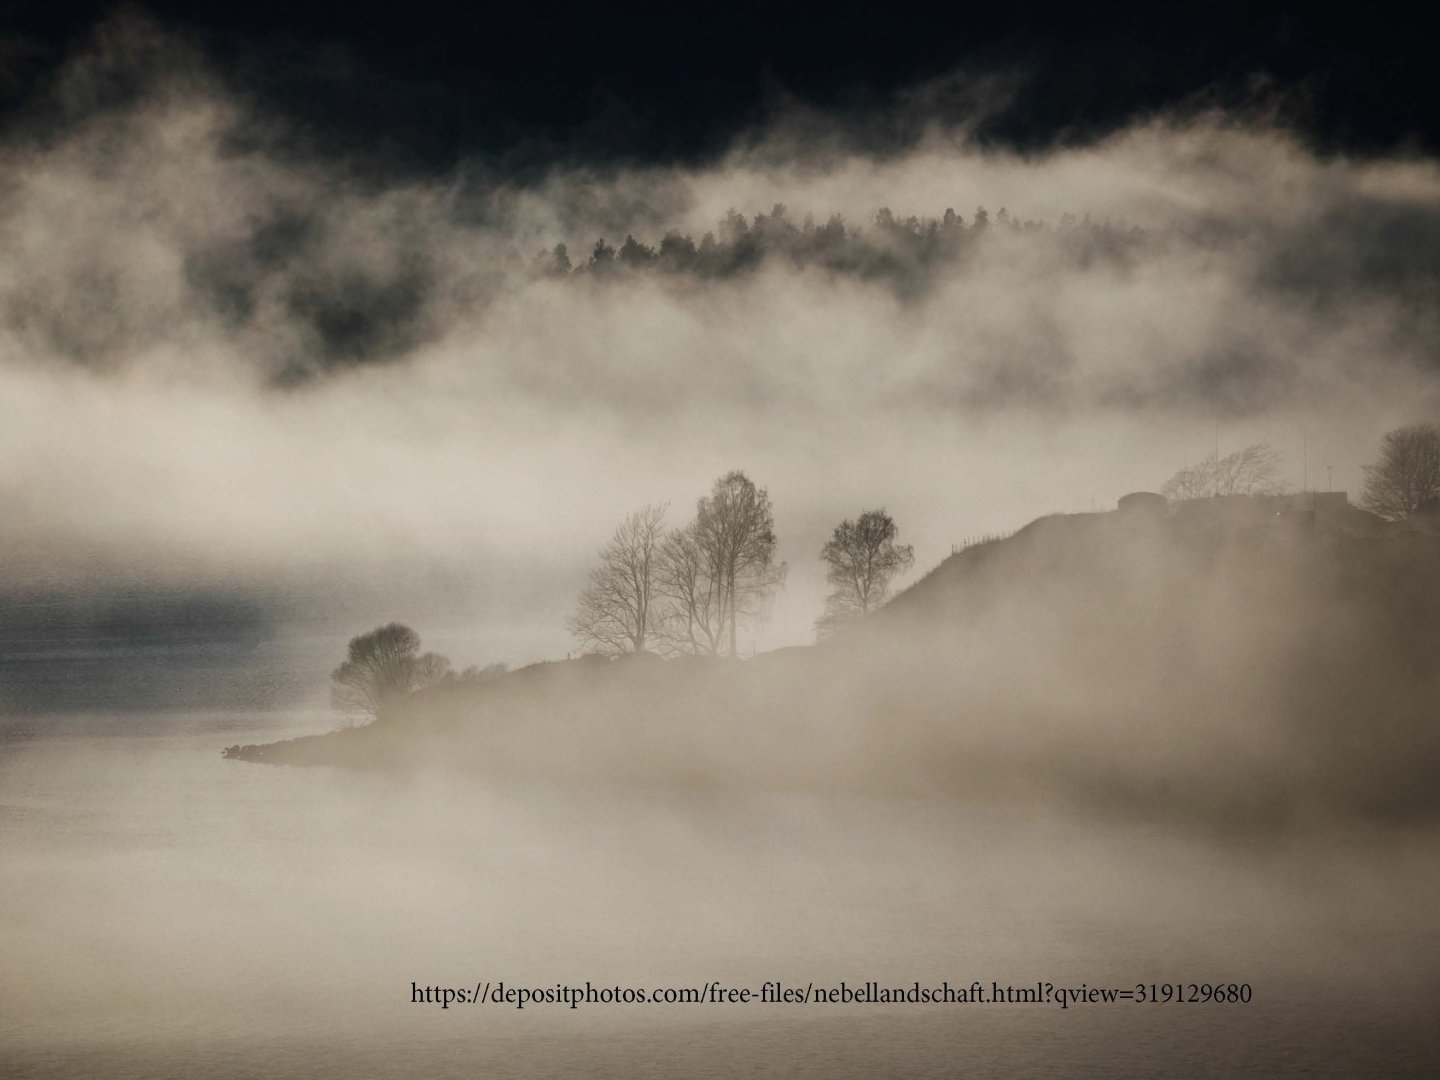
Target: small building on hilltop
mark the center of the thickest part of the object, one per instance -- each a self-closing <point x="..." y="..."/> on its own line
<point x="1146" y="503"/>
<point x="1329" y="510"/>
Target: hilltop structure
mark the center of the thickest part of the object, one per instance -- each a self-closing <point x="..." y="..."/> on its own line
<point x="1331" y="510"/>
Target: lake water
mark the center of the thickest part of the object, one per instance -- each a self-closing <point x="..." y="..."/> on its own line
<point x="164" y="912"/>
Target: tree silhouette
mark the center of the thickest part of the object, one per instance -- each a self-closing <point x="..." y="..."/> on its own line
<point x="735" y="528"/>
<point x="1407" y="476"/>
<point x="602" y="257"/>
<point x="863" y="559"/>
<point x="904" y="252"/>
<point x="383" y="666"/>
<point x="720" y="568"/>
<point x="694" y="617"/>
<point x="1255" y="470"/>
<point x="634" y="254"/>
<point x="677" y="252"/>
<point x="618" y="610"/>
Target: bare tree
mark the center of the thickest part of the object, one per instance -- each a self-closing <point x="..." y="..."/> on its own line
<point x="476" y="674"/>
<point x="863" y="559"/>
<point x="1255" y="470"/>
<point x="617" y="612"/>
<point x="693" y="620"/>
<point x="431" y="668"/>
<point x="383" y="666"/>
<point x="1407" y="476"/>
<point x="734" y="530"/>
<point x="1192" y="482"/>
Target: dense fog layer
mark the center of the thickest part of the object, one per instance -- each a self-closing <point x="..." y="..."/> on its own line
<point x="228" y="364"/>
<point x="172" y="914"/>
<point x="255" y="399"/>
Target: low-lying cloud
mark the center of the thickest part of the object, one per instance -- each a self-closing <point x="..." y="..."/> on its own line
<point x="221" y="360"/>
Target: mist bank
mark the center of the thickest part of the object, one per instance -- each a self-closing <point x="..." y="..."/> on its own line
<point x="1233" y="663"/>
<point x="230" y="364"/>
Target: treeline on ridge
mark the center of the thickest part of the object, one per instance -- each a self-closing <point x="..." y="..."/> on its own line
<point x="901" y="250"/>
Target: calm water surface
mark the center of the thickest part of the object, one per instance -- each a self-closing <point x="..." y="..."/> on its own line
<point x="164" y="912"/>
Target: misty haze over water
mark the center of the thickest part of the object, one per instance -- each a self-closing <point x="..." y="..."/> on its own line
<point x="169" y="912"/>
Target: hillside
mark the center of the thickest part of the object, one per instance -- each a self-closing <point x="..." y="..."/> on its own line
<point x="1242" y="660"/>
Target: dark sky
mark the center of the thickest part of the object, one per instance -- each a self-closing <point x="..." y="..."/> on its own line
<point x="423" y="85"/>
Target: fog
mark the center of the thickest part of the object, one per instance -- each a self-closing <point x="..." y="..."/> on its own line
<point x="279" y="929"/>
<point x="256" y="398"/>
<point x="226" y="359"/>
